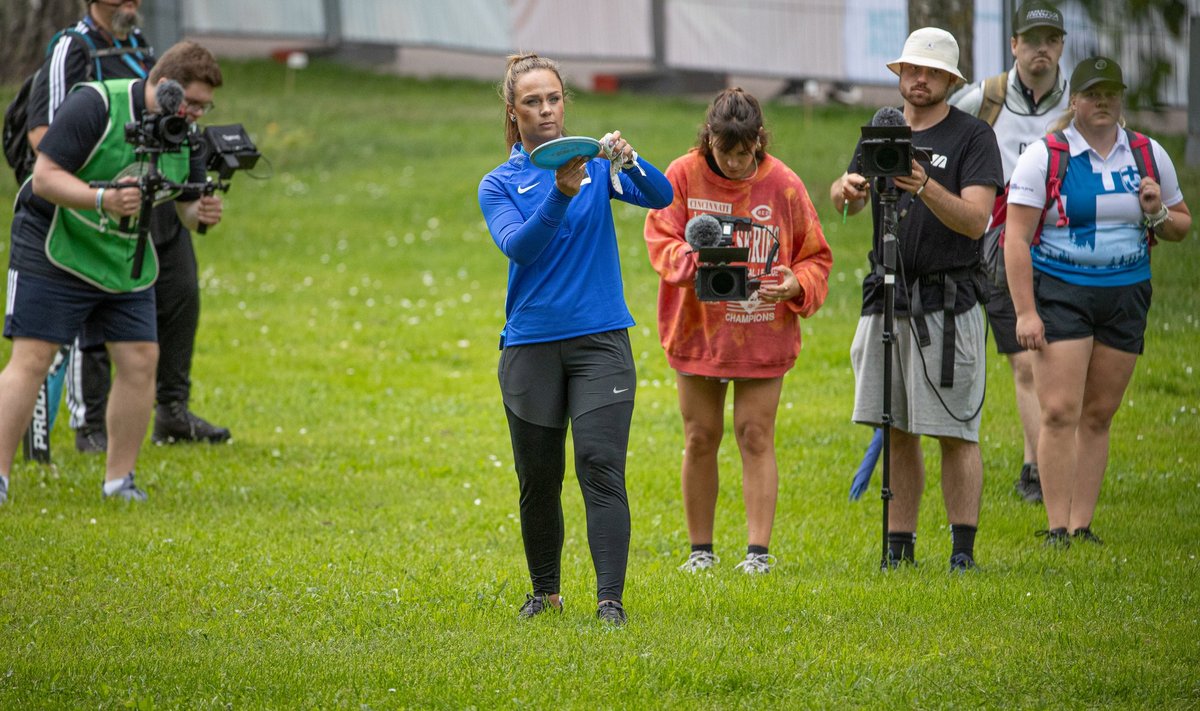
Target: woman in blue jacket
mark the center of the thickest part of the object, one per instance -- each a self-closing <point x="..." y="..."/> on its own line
<point x="565" y="354"/>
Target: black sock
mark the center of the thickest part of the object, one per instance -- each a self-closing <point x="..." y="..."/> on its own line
<point x="702" y="547"/>
<point x="756" y="550"/>
<point x="901" y="545"/>
<point x="963" y="539"/>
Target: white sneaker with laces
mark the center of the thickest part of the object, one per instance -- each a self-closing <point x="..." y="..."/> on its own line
<point x="757" y="563"/>
<point x="699" y="560"/>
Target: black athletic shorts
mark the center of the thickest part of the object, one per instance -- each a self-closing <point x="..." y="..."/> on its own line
<point x="1113" y="315"/>
<point x="547" y="383"/>
<point x="58" y="310"/>
<point x="1002" y="317"/>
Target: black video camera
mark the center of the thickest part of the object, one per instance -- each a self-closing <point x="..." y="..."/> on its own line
<point x="887" y="152"/>
<point x="158" y="133"/>
<point x="719" y="276"/>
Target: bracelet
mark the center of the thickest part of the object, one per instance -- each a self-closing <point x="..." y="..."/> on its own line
<point x="922" y="188"/>
<point x="1157" y="218"/>
<point x="100" y="200"/>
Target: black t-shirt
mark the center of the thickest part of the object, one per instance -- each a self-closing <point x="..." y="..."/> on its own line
<point x="69" y="64"/>
<point x="77" y="129"/>
<point x="963" y="152"/>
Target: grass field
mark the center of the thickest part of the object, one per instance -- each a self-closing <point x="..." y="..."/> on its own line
<point x="357" y="545"/>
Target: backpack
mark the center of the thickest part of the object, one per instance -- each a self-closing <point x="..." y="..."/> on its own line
<point x="17" y="150"/>
<point x="994" y="89"/>
<point x="1058" y="155"/>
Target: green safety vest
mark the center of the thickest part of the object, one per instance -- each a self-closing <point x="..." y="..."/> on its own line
<point x="76" y="243"/>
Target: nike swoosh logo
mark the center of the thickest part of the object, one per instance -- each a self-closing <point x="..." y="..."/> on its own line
<point x="618" y="392"/>
<point x="521" y="190"/>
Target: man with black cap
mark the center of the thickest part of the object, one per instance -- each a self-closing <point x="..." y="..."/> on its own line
<point x="1020" y="104"/>
<point x="938" y="379"/>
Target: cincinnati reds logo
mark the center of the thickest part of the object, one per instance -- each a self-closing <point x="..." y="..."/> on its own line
<point x="762" y="213"/>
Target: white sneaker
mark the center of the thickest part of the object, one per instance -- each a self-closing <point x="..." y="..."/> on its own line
<point x="757" y="563"/>
<point x="699" y="560"/>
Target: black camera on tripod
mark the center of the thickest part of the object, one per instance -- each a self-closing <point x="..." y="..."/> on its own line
<point x="722" y="273"/>
<point x="887" y="152"/>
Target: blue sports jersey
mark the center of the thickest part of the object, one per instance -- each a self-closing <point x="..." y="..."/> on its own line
<point x="1104" y="243"/>
<point x="564" y="273"/>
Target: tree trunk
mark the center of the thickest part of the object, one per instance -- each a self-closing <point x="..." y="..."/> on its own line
<point x="27" y="25"/>
<point x="956" y="17"/>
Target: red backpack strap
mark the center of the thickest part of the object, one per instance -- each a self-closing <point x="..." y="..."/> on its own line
<point x="1147" y="167"/>
<point x="1058" y="155"/>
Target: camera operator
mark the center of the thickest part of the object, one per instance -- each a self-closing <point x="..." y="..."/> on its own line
<point x="112" y="28"/>
<point x="70" y="258"/>
<point x="751" y="343"/>
<point x="944" y="206"/>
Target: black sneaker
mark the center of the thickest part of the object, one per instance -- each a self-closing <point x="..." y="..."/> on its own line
<point x="892" y="563"/>
<point x="1055" y="538"/>
<point x="1085" y="534"/>
<point x="1029" y="485"/>
<point x="91" y="440"/>
<point x="962" y="562"/>
<point x="611" y="611"/>
<point x="536" y="605"/>
<point x="174" y="422"/>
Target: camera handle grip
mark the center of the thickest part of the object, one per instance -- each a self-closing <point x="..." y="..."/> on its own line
<point x="211" y="187"/>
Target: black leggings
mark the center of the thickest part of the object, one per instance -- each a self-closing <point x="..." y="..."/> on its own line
<point x="601" y="439"/>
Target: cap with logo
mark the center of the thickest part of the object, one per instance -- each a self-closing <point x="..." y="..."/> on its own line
<point x="929" y="47"/>
<point x="1037" y="13"/>
<point x="1096" y="70"/>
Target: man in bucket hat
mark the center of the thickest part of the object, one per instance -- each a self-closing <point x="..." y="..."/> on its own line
<point x="938" y="378"/>
<point x="1020" y="105"/>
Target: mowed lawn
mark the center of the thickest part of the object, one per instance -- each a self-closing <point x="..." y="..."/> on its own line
<point x="357" y="544"/>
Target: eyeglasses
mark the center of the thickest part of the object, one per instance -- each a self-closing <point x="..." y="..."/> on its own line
<point x="198" y="107"/>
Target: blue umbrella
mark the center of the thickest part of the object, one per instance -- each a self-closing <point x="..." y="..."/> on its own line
<point x="862" y="477"/>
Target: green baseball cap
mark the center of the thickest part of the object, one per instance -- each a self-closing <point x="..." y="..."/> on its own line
<point x="1096" y="70"/>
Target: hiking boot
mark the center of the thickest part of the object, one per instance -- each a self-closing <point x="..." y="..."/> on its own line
<point x="1055" y="538"/>
<point x="757" y="563"/>
<point x="127" y="492"/>
<point x="91" y="440"/>
<point x="611" y="611"/>
<point x="699" y="560"/>
<point x="174" y="422"/>
<point x="1029" y="485"/>
<point x="1085" y="534"/>
<point x="962" y="562"/>
<point x="536" y="605"/>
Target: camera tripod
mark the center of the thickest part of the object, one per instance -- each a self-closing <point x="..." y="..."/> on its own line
<point x="889" y="221"/>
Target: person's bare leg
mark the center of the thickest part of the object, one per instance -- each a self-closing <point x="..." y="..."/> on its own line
<point x="24" y="373"/>
<point x="129" y="404"/>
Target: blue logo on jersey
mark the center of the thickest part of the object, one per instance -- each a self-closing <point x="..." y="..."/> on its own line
<point x="1084" y="186"/>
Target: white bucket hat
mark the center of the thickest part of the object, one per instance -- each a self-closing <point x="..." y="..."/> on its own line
<point x="929" y="47"/>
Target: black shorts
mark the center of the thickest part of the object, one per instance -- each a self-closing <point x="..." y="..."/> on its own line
<point x="58" y="310"/>
<point x="547" y="383"/>
<point x="1002" y="317"/>
<point x="1113" y="315"/>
